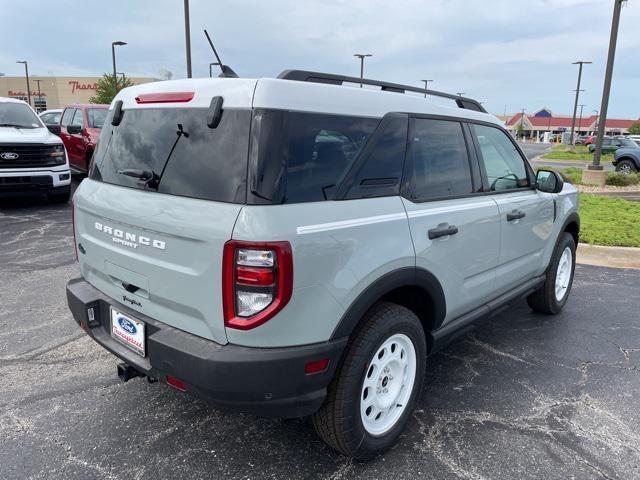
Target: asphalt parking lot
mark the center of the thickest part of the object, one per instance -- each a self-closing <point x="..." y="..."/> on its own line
<point x="523" y="396"/>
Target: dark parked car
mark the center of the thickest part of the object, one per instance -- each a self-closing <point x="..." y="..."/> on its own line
<point x="80" y="128"/>
<point x="610" y="145"/>
<point x="627" y="160"/>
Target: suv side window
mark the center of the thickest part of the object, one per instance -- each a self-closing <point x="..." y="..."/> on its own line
<point x="78" y="119"/>
<point x="503" y="163"/>
<point x="439" y="160"/>
<point x="382" y="171"/>
<point x="67" y="116"/>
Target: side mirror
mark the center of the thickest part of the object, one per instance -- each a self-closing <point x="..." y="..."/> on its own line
<point x="74" y="129"/>
<point x="549" y="181"/>
<point x="54" y="128"/>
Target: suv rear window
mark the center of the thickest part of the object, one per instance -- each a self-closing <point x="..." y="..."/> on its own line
<point x="175" y="145"/>
<point x="301" y="157"/>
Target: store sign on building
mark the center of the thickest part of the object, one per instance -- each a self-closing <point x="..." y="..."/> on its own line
<point x="76" y="85"/>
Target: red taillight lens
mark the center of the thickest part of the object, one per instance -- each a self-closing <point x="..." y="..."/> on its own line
<point x="165" y="97"/>
<point x="257" y="281"/>
<point x="73" y="226"/>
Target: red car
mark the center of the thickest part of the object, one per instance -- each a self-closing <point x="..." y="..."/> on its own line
<point x="80" y="127"/>
<point x="588" y="140"/>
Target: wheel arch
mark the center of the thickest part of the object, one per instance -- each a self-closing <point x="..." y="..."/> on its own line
<point x="571" y="225"/>
<point x="414" y="288"/>
<point x="631" y="158"/>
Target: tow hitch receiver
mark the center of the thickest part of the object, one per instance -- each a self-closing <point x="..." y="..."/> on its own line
<point x="127" y="372"/>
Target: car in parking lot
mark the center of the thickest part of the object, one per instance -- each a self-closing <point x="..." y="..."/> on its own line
<point x="611" y="144"/>
<point x="51" y="117"/>
<point x="295" y="246"/>
<point x="80" y="127"/>
<point x="32" y="159"/>
<point x="627" y="160"/>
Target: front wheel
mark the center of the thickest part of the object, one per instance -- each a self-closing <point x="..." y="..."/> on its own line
<point x="553" y="294"/>
<point x="626" y="167"/>
<point x="374" y="392"/>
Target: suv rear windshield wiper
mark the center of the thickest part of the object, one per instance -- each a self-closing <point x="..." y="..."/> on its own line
<point x="149" y="177"/>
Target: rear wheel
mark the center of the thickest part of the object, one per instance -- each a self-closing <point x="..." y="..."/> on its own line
<point x="553" y="294"/>
<point x="374" y="392"/>
<point x="626" y="167"/>
<point x="62" y="196"/>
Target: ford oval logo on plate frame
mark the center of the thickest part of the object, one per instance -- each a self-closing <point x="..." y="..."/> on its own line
<point x="9" y="155"/>
<point x="128" y="331"/>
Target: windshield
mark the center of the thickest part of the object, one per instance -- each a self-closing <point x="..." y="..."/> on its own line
<point x="96" y="117"/>
<point x="173" y="151"/>
<point x="18" y="115"/>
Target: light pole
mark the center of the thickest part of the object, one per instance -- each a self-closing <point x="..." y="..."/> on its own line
<point x="361" y="56"/>
<point x="580" y="121"/>
<point x="39" y="95"/>
<point x="113" y="58"/>
<point x="580" y="63"/>
<point x="426" y="86"/>
<point x="26" y="72"/>
<point x="187" y="35"/>
<point x="615" y="22"/>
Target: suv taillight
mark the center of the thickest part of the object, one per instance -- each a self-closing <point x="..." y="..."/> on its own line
<point x="257" y="281"/>
<point x="73" y="225"/>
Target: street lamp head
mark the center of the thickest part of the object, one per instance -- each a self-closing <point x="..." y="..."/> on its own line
<point x="119" y="43"/>
<point x="362" y="55"/>
<point x="580" y="61"/>
<point x="21" y="61"/>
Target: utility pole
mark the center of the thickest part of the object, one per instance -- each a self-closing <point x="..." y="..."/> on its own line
<point x="187" y="34"/>
<point x="615" y="22"/>
<point x="580" y="63"/>
<point x="597" y="112"/>
<point x="426" y="86"/>
<point x="26" y="72"/>
<point x="522" y="123"/>
<point x="361" y="56"/>
<point x="39" y="95"/>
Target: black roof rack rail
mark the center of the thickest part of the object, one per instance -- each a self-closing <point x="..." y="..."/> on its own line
<point x="333" y="79"/>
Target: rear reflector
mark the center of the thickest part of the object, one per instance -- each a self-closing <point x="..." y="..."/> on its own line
<point x="176" y="383"/>
<point x="254" y="276"/>
<point x="317" y="366"/>
<point x="165" y="97"/>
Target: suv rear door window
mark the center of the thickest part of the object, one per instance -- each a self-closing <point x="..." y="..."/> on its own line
<point x="300" y="156"/>
<point x="439" y="160"/>
<point x="78" y="119"/>
<point x="96" y="117"/>
<point x="502" y="161"/>
<point x="173" y="151"/>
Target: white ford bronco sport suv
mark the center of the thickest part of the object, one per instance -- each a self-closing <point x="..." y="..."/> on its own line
<point x="297" y="246"/>
<point x="32" y="159"/>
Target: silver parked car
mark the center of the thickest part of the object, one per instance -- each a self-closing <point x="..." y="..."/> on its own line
<point x="296" y="246"/>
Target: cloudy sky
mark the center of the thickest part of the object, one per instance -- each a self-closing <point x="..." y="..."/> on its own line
<point x="509" y="54"/>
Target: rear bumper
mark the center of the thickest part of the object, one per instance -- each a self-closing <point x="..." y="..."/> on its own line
<point x="264" y="381"/>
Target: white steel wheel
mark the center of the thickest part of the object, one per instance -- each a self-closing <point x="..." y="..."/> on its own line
<point x="388" y="384"/>
<point x="563" y="273"/>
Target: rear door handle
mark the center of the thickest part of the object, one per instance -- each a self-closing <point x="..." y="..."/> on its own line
<point x="515" y="215"/>
<point x="442" y="230"/>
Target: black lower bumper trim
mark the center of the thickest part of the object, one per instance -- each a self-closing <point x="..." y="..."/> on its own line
<point x="265" y="381"/>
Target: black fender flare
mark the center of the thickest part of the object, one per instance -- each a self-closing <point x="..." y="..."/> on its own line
<point x="572" y="218"/>
<point x="402" y="277"/>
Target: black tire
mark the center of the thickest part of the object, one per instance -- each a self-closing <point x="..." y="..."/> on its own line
<point x="62" y="196"/>
<point x="339" y="422"/>
<point x="626" y="166"/>
<point x="544" y="299"/>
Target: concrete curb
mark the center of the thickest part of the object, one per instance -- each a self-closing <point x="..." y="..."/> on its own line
<point x="617" y="257"/>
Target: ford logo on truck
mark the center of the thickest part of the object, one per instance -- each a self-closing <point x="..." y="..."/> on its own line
<point x="9" y="155"/>
<point x="127" y="325"/>
<point x="128" y="239"/>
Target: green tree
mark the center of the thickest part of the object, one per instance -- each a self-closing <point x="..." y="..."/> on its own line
<point x="634" y="129"/>
<point x="105" y="90"/>
<point x="520" y="130"/>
